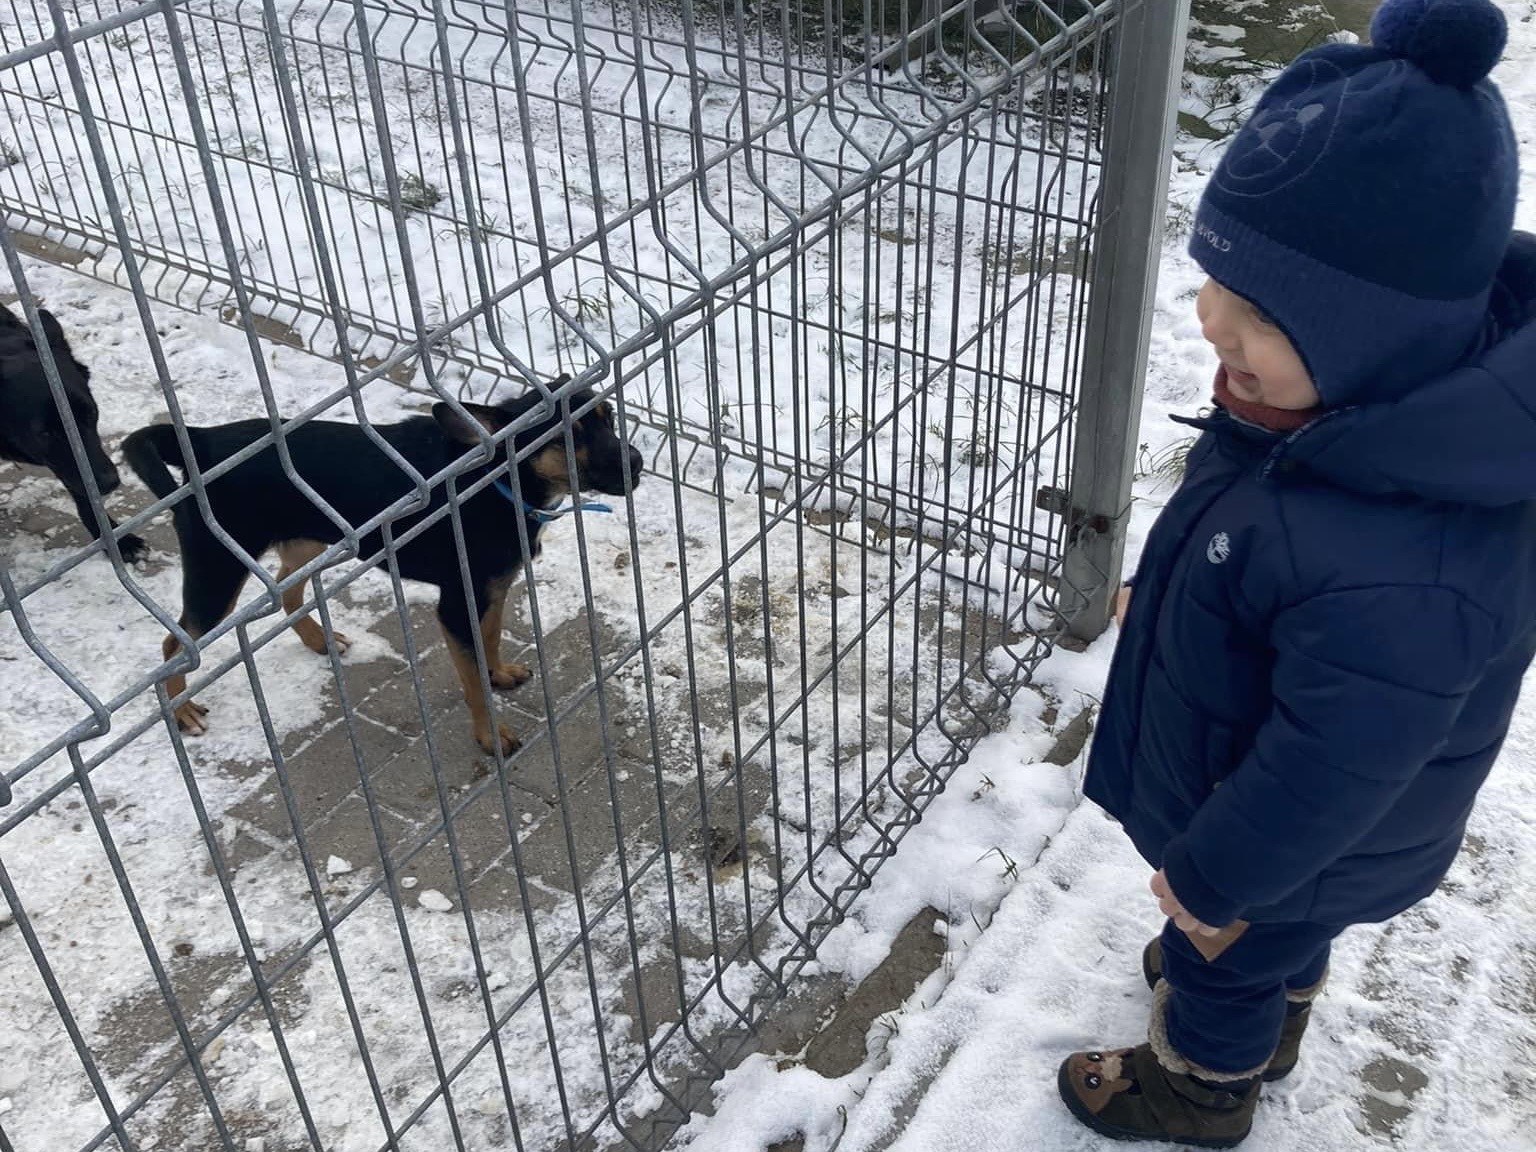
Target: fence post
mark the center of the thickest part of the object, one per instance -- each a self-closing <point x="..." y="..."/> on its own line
<point x="1146" y="71"/>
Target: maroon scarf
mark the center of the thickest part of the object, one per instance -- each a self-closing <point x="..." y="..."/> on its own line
<point x="1261" y="415"/>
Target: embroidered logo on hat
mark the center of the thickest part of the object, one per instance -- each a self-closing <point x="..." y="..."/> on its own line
<point x="1219" y="550"/>
<point x="1286" y="137"/>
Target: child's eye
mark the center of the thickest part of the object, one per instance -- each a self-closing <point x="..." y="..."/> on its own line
<point x="1264" y="318"/>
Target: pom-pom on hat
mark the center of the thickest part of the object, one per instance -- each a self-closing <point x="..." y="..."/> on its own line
<point x="1368" y="202"/>
<point x="1455" y="42"/>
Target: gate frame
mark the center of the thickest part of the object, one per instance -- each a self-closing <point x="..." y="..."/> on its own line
<point x="1132" y="196"/>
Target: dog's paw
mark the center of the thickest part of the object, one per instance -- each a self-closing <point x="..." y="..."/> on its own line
<point x="190" y="718"/>
<point x="510" y="676"/>
<point x="509" y="741"/>
<point x="314" y="638"/>
<point x="133" y="548"/>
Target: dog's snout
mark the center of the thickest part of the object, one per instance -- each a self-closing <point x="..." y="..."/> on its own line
<point x="634" y="464"/>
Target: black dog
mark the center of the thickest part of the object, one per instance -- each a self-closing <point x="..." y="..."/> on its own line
<point x="260" y="508"/>
<point x="31" y="428"/>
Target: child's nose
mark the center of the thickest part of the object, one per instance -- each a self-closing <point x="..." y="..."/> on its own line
<point x="1217" y="329"/>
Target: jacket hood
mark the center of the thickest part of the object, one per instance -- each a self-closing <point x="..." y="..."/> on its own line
<point x="1468" y="437"/>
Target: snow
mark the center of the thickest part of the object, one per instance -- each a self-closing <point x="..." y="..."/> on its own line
<point x="763" y="1104"/>
<point x="66" y="875"/>
<point x="1042" y="902"/>
<point x="561" y="180"/>
<point x="1426" y="1037"/>
<point x="65" y="878"/>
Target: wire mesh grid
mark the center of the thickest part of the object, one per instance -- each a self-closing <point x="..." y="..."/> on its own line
<point x="827" y="268"/>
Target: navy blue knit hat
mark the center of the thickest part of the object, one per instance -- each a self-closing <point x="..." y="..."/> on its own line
<point x="1368" y="203"/>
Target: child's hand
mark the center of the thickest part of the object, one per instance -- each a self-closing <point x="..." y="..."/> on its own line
<point x="1175" y="911"/>
<point x="1122" y="605"/>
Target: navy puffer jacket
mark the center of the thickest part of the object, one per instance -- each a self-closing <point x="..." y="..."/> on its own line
<point x="1326" y="642"/>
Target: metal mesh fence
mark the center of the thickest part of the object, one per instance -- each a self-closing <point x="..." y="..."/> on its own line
<point x="827" y="268"/>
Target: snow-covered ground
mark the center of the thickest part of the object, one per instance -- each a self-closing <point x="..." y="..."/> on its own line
<point x="1045" y="903"/>
<point x="911" y="281"/>
<point x="1425" y="1040"/>
<point x="619" y="198"/>
<point x="634" y="562"/>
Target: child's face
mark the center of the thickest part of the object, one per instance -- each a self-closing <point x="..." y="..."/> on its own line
<point x="1263" y="367"/>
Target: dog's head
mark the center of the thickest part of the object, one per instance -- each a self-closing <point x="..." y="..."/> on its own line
<point x="36" y="429"/>
<point x="597" y="457"/>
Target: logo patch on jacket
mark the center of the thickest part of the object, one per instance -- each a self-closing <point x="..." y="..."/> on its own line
<point x="1219" y="549"/>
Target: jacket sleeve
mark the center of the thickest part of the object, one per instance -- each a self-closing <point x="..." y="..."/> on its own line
<point x="1367" y="685"/>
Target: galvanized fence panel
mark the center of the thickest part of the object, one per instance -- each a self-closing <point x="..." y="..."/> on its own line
<point x="830" y="269"/>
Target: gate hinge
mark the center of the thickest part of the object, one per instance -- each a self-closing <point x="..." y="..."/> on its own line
<point x="1058" y="501"/>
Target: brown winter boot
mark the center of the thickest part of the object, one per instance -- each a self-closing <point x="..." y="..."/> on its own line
<point x="1127" y="1094"/>
<point x="1297" y="1015"/>
<point x="1152" y="1092"/>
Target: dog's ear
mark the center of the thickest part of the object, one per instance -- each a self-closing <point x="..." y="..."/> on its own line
<point x="561" y="380"/>
<point x="483" y="419"/>
<point x="54" y="331"/>
<point x="63" y="354"/>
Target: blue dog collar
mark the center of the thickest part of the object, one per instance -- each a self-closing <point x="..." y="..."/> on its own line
<point x="547" y="515"/>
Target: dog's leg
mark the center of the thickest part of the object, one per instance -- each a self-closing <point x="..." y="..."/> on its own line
<point x="455" y="619"/>
<point x="132" y="547"/>
<point x="503" y="676"/>
<point x="295" y="554"/>
<point x="189" y="713"/>
<point x="209" y="592"/>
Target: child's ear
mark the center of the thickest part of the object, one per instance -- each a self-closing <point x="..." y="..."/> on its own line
<point x="482" y="419"/>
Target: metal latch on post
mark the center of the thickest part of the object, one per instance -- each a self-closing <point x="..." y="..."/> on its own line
<point x="1058" y="501"/>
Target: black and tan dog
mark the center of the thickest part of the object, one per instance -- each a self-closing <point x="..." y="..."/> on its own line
<point x="32" y="430"/>
<point x="260" y="508"/>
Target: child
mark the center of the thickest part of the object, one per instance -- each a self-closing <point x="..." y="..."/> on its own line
<point x="1332" y="616"/>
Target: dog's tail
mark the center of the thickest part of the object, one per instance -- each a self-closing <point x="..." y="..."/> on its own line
<point x="150" y="451"/>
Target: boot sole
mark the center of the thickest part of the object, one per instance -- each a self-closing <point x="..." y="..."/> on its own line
<point x="1115" y="1132"/>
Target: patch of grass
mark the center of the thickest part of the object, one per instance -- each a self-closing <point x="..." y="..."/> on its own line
<point x="975" y="453"/>
<point x="10" y="153"/>
<point x="584" y="304"/>
<point x="1180" y="222"/>
<point x="246" y="150"/>
<point x="847" y="421"/>
<point x="1066" y="254"/>
<point x="416" y="195"/>
<point x="1166" y="464"/>
<point x="1010" y="866"/>
<point x="490" y="225"/>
